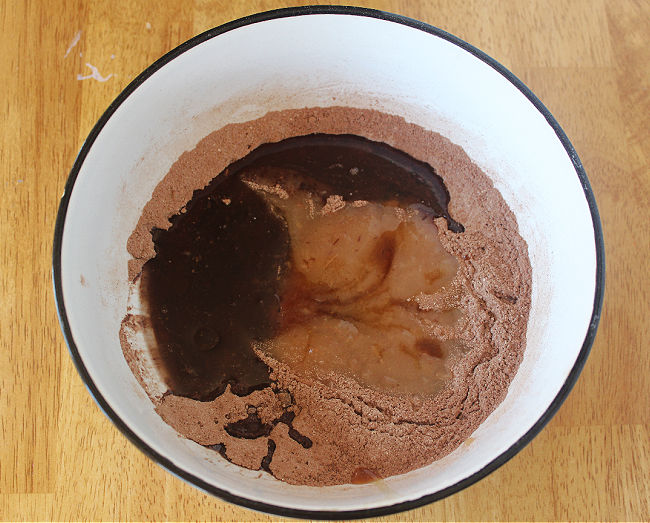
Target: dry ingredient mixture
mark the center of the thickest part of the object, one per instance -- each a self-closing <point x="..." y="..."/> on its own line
<point x="334" y="295"/>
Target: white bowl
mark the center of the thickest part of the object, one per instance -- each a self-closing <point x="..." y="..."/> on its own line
<point x="305" y="57"/>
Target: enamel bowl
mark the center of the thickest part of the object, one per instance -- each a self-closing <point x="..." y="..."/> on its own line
<point x="323" y="56"/>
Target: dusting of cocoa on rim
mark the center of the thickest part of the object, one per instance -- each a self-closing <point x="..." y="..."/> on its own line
<point x="352" y="427"/>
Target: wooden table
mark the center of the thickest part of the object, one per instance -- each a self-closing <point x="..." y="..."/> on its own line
<point x="60" y="457"/>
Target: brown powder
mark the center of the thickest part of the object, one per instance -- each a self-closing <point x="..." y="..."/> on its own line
<point x="352" y="428"/>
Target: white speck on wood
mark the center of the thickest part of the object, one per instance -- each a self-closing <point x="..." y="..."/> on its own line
<point x="148" y="26"/>
<point x="94" y="75"/>
<point x="74" y="42"/>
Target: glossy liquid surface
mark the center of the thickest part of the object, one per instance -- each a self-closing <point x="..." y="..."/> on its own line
<point x="234" y="271"/>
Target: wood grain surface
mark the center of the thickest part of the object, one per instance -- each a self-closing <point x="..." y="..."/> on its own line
<point x="62" y="459"/>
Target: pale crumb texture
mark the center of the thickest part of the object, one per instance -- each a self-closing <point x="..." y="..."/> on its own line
<point x="350" y="426"/>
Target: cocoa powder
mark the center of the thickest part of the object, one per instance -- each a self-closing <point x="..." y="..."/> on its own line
<point x="350" y="427"/>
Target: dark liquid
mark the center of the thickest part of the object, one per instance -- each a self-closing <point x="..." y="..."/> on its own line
<point x="212" y="289"/>
<point x="214" y="286"/>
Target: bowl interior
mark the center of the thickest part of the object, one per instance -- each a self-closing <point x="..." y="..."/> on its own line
<point x="324" y="60"/>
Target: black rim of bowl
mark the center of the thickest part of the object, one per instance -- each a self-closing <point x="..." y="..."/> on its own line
<point x="329" y="514"/>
